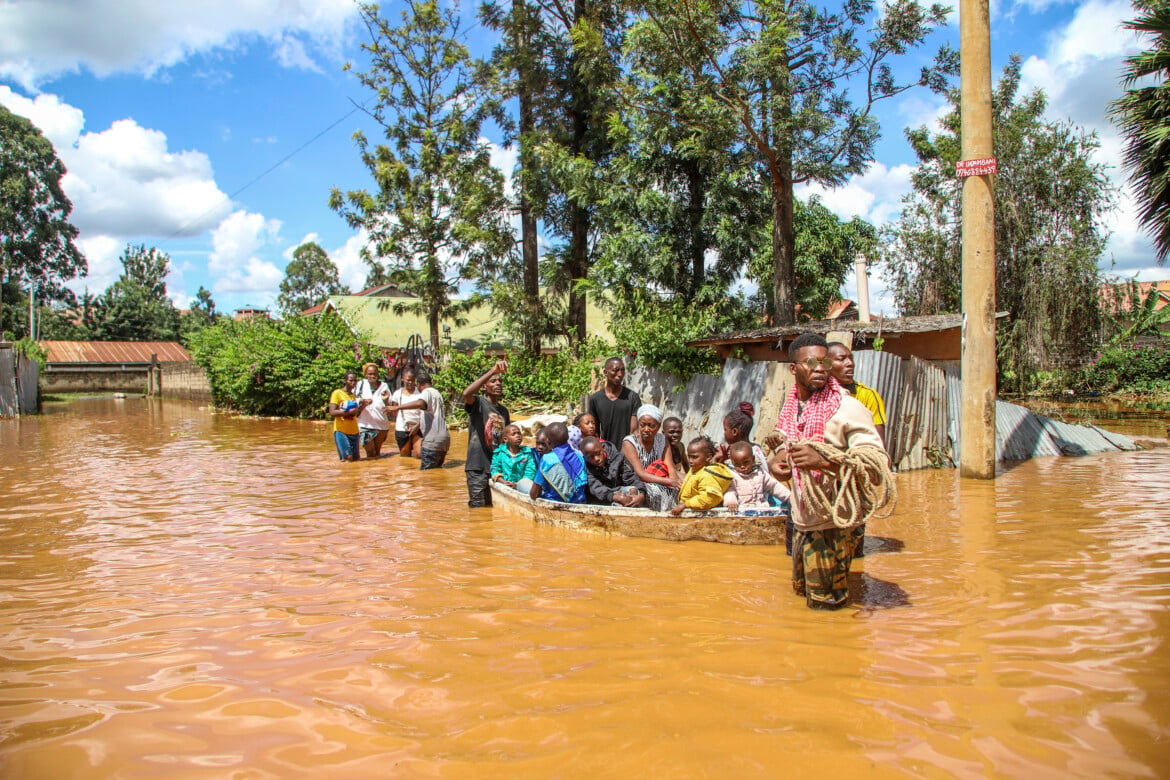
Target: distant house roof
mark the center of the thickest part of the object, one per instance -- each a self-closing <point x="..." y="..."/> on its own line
<point x="1113" y="295"/>
<point x="377" y="291"/>
<point x="374" y="319"/>
<point x="121" y="352"/>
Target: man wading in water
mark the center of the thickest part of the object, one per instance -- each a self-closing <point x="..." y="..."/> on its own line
<point x="817" y="411"/>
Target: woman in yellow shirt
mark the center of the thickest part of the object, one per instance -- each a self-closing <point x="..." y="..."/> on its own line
<point x="344" y="408"/>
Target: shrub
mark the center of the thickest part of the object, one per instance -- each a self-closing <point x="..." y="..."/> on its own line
<point x="280" y="368"/>
<point x="1135" y="368"/>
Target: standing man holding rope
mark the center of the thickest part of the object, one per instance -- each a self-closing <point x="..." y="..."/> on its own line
<point x="828" y="447"/>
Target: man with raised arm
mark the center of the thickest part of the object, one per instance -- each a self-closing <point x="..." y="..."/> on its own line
<point x="486" y="419"/>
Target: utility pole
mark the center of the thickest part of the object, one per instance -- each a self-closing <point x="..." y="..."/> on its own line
<point x="977" y="419"/>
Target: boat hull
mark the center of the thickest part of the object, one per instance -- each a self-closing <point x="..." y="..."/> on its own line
<point x="716" y="525"/>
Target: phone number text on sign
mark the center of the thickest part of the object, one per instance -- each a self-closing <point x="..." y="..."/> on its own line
<point x="984" y="166"/>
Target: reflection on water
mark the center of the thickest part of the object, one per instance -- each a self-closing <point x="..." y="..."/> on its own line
<point x="191" y="594"/>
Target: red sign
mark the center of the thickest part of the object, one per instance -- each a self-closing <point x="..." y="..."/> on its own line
<point x="984" y="166"/>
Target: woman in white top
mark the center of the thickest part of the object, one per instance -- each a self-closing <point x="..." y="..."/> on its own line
<point x="406" y="424"/>
<point x="373" y="424"/>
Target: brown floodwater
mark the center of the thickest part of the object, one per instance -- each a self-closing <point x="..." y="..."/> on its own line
<point x="192" y="595"/>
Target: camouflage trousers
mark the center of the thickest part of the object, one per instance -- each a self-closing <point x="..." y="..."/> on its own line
<point x="820" y="566"/>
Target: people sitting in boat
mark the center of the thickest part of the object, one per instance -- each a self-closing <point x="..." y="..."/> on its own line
<point x="611" y="479"/>
<point x="651" y="460"/>
<point x="752" y="486"/>
<point x="560" y="474"/>
<point x="737" y="427"/>
<point x="672" y="429"/>
<point x="512" y="461"/>
<point x="706" y="481"/>
<point x="588" y="425"/>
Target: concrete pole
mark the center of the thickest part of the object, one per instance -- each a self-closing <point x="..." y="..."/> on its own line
<point x="862" y="289"/>
<point x="977" y="420"/>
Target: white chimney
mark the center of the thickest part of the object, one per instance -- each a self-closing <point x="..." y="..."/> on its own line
<point x="862" y="289"/>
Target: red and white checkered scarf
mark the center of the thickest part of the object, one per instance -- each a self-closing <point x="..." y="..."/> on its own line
<point x="809" y="423"/>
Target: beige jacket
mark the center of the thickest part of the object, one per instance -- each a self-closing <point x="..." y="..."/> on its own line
<point x="852" y="426"/>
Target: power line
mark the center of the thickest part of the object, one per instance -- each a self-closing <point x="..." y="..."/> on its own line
<point x="270" y="169"/>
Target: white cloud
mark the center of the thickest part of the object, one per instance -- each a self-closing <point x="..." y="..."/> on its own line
<point x="101" y="255"/>
<point x="1081" y="74"/>
<point x="123" y="181"/>
<point x="347" y="257"/>
<point x="234" y="261"/>
<point x="40" y="39"/>
<point x="874" y="195"/>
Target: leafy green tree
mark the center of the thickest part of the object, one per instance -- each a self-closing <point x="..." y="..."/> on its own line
<point x="797" y="84"/>
<point x="36" y="238"/>
<point x="439" y="208"/>
<point x="309" y="278"/>
<point x="278" y="367"/>
<point x="201" y="315"/>
<point x="1143" y="116"/>
<point x="826" y="247"/>
<point x="519" y="69"/>
<point x="136" y="306"/>
<point x="678" y="196"/>
<point x="1050" y="204"/>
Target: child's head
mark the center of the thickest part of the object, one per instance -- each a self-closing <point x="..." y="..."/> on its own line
<point x="699" y="452"/>
<point x="743" y="459"/>
<point x="541" y="445"/>
<point x="593" y="451"/>
<point x="587" y="423"/>
<point x="672" y="430"/>
<point x="513" y="436"/>
<point x="737" y="425"/>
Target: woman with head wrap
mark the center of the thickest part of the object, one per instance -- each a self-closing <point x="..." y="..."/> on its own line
<point x="651" y="459"/>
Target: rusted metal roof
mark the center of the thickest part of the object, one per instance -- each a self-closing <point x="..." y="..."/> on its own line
<point x="923" y="324"/>
<point x="105" y="352"/>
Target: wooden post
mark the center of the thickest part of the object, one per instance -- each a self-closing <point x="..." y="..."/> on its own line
<point x="977" y="420"/>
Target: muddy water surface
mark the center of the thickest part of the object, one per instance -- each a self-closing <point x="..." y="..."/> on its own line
<point x="185" y="594"/>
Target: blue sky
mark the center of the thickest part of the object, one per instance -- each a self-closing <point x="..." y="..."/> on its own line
<point x="170" y="116"/>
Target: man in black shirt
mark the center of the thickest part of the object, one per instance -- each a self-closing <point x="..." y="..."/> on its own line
<point x="611" y="478"/>
<point x="486" y="418"/>
<point x="614" y="405"/>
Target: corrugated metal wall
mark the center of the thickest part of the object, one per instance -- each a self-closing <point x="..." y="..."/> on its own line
<point x="886" y="374"/>
<point x="921" y="439"/>
<point x="28" y="371"/>
<point x="9" y="404"/>
<point x="922" y="403"/>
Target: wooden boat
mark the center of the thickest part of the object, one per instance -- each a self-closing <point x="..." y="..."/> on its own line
<point x="763" y="526"/>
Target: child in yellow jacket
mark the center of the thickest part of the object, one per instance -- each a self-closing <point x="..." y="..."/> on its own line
<point x="706" y="482"/>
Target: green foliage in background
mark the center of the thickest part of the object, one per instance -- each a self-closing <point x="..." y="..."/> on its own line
<point x="533" y="382"/>
<point x="1129" y="368"/>
<point x="32" y="350"/>
<point x="654" y="333"/>
<point x="279" y="368"/>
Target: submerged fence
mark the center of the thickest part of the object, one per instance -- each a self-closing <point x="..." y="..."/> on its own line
<point x="922" y="406"/>
<point x="18" y="383"/>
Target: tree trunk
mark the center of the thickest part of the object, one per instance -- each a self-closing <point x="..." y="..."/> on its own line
<point x="528" y="244"/>
<point x="696" y="186"/>
<point x="578" y="263"/>
<point x="783" y="247"/>
<point x="433" y="320"/>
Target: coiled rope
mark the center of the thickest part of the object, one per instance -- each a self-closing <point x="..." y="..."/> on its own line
<point x="863" y="487"/>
